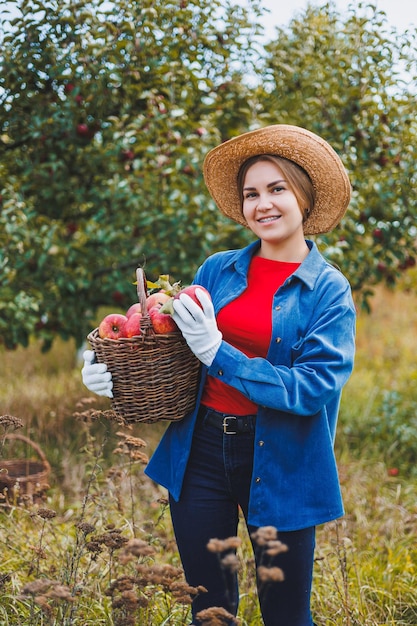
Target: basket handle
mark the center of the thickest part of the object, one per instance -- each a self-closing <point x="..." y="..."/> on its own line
<point x="34" y="445"/>
<point x="142" y="290"/>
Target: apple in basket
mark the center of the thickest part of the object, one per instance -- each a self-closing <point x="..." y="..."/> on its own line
<point x="162" y="323"/>
<point x="157" y="299"/>
<point x="113" y="326"/>
<point x="135" y="308"/>
<point x="133" y="327"/>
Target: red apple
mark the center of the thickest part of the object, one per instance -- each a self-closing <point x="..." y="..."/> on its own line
<point x="378" y="234"/>
<point x="86" y="131"/>
<point x="127" y="155"/>
<point x="72" y="228"/>
<point x="188" y="170"/>
<point x="162" y="323"/>
<point x="135" y="308"/>
<point x="112" y="326"/>
<point x="190" y="291"/>
<point x="83" y="130"/>
<point x="157" y="299"/>
<point x="132" y="326"/>
<point x="117" y="297"/>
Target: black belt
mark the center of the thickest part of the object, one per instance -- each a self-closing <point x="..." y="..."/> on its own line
<point x="228" y="424"/>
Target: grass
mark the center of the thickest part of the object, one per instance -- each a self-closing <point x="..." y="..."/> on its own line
<point x="99" y="548"/>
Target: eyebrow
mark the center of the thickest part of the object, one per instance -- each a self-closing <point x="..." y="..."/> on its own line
<point x="275" y="182"/>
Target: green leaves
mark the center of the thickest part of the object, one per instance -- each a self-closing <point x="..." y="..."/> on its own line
<point x="344" y="79"/>
<point x="105" y="116"/>
<point x="107" y="112"/>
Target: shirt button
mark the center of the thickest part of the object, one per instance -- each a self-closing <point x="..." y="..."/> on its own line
<point x="257" y="479"/>
<point x="278" y="340"/>
<point x="220" y="372"/>
<point x="261" y="443"/>
<point x="278" y="308"/>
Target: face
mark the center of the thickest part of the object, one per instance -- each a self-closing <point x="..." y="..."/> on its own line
<point x="271" y="209"/>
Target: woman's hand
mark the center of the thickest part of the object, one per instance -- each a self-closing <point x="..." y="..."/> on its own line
<point x="198" y="325"/>
<point x="95" y="375"/>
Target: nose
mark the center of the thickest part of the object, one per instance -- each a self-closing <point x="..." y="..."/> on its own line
<point x="264" y="202"/>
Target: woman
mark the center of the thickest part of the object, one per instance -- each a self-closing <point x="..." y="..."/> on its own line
<point x="276" y="339"/>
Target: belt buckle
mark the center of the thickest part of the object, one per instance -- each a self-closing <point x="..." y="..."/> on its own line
<point x="226" y="425"/>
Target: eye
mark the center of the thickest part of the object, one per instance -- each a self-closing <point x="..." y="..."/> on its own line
<point x="278" y="188"/>
<point x="250" y="194"/>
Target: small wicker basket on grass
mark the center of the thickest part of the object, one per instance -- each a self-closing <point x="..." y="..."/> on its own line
<point x="24" y="476"/>
<point x="155" y="377"/>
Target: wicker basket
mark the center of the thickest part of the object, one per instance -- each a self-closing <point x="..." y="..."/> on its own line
<point x="155" y="377"/>
<point x="26" y="477"/>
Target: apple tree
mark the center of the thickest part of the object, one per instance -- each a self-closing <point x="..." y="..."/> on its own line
<point x="106" y="113"/>
<point x="352" y="80"/>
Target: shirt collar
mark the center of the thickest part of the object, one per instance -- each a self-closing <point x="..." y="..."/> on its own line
<point x="311" y="267"/>
<point x="308" y="271"/>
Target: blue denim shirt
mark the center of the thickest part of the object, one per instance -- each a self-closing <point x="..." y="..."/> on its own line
<point x="297" y="389"/>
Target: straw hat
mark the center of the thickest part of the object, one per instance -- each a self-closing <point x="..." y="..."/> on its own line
<point x="322" y="164"/>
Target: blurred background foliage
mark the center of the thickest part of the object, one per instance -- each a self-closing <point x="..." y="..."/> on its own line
<point x="107" y="111"/>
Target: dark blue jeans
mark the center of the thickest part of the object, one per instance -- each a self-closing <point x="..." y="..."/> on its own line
<point x="216" y="484"/>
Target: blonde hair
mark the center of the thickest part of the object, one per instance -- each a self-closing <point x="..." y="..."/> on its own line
<point x="296" y="177"/>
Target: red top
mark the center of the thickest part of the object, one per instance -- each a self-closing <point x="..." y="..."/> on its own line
<point x="246" y="323"/>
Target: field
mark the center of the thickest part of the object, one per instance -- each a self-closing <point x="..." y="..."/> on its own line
<point x="99" y="549"/>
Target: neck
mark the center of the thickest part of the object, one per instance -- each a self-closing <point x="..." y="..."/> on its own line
<point x="286" y="254"/>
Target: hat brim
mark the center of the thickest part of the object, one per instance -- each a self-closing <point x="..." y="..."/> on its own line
<point x="322" y="164"/>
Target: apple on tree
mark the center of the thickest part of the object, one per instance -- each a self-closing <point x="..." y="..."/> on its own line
<point x="83" y="130"/>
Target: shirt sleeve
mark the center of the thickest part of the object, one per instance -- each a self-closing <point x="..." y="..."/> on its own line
<point x="320" y="364"/>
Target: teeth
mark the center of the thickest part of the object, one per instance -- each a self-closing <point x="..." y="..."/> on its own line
<point x="269" y="219"/>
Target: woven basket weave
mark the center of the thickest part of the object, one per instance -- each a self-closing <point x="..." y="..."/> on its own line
<point x="27" y="477"/>
<point x="155" y="377"/>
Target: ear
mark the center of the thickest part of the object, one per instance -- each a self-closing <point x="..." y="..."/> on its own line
<point x="306" y="212"/>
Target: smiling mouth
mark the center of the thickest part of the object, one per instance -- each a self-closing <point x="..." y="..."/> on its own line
<point x="266" y="220"/>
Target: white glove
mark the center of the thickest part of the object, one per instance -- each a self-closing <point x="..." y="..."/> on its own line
<point x="95" y="375"/>
<point x="198" y="326"/>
